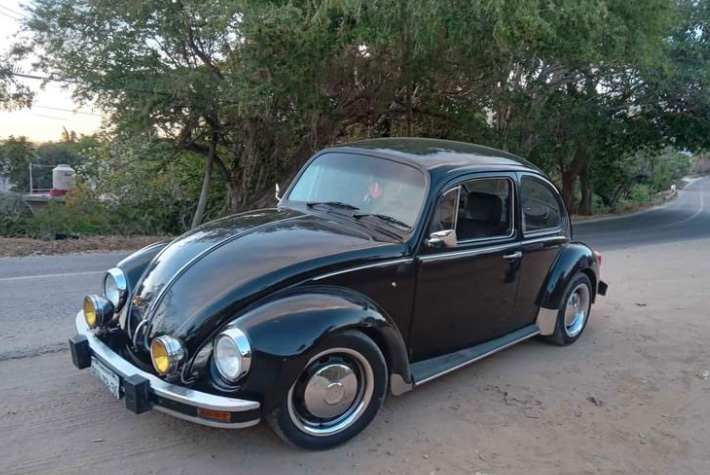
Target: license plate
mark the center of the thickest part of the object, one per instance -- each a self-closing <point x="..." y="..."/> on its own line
<point x="107" y="377"/>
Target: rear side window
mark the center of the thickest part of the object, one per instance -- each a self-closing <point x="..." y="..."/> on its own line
<point x="541" y="208"/>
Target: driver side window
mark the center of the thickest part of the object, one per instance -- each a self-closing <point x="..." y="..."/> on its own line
<point x="445" y="212"/>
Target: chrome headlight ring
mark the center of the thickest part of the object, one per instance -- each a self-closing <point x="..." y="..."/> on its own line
<point x="167" y="354"/>
<point x="98" y="311"/>
<point x="232" y="354"/>
<point x="115" y="287"/>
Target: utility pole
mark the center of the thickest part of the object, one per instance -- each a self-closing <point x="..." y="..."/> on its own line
<point x="30" y="165"/>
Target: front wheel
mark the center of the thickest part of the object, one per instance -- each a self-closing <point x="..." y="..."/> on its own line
<point x="336" y="395"/>
<point x="574" y="310"/>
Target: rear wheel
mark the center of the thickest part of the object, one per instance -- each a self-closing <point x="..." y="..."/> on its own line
<point x="336" y="396"/>
<point x="573" y="314"/>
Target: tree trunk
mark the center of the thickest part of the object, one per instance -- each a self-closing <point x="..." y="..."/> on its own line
<point x="568" y="180"/>
<point x="570" y="174"/>
<point x="204" y="193"/>
<point x="587" y="202"/>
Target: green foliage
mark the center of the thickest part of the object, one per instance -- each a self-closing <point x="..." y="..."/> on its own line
<point x="13" y="94"/>
<point x="14" y="214"/>
<point x="591" y="91"/>
<point x="16" y="154"/>
<point x="84" y="214"/>
<point x="655" y="170"/>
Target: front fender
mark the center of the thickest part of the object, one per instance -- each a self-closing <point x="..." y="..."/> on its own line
<point x="285" y="332"/>
<point x="135" y="264"/>
<point x="575" y="257"/>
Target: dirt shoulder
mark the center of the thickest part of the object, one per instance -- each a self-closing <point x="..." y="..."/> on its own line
<point x="17" y="247"/>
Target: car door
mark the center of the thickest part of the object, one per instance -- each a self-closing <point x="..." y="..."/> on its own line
<point x="545" y="229"/>
<point x="465" y="294"/>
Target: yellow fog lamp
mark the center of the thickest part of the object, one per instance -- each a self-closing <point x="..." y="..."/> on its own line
<point x="166" y="353"/>
<point x="98" y="311"/>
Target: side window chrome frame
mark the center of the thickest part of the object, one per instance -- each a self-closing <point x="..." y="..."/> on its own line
<point x="564" y="217"/>
<point x="511" y="212"/>
<point x="457" y="189"/>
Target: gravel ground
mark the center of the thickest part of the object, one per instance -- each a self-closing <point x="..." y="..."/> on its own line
<point x="632" y="396"/>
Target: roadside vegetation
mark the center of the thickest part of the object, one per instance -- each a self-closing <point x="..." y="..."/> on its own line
<point x="213" y="102"/>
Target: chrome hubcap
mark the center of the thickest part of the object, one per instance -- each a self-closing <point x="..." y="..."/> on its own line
<point x="332" y="393"/>
<point x="577" y="310"/>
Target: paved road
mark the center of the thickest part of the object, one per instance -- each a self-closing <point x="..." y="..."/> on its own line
<point x="686" y="218"/>
<point x="630" y="397"/>
<point x="39" y="294"/>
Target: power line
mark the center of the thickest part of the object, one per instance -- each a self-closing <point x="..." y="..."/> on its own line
<point x="9" y="16"/>
<point x="13" y="11"/>
<point x="59" y="109"/>
<point x="50" y="117"/>
<point x="29" y="76"/>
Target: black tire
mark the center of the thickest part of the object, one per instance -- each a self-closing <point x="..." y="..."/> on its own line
<point x="288" y="420"/>
<point x="563" y="335"/>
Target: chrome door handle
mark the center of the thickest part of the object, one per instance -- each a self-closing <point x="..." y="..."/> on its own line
<point x="515" y="255"/>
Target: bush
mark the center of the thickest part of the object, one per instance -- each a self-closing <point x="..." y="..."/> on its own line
<point x="14" y="215"/>
<point x="82" y="214"/>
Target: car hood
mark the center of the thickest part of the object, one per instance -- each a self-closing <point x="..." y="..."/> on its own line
<point x="202" y="279"/>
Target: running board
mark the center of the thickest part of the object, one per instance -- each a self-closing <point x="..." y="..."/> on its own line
<point x="427" y="370"/>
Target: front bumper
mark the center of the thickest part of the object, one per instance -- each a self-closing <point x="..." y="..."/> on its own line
<point x="144" y="390"/>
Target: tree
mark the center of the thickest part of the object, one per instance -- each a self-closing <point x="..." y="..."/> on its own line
<point x="13" y="94"/>
<point x="15" y="156"/>
<point x="252" y="89"/>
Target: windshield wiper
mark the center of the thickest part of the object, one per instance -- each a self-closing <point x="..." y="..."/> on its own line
<point x="383" y="217"/>
<point x="335" y="204"/>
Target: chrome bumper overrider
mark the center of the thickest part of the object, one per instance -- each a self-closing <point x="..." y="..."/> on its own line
<point x="177" y="396"/>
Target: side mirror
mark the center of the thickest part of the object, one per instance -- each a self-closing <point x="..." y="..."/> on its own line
<point x="446" y="238"/>
<point x="276" y="194"/>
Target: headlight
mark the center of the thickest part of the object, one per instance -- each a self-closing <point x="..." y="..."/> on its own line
<point x="232" y="354"/>
<point x="97" y="311"/>
<point x="166" y="353"/>
<point x="116" y="287"/>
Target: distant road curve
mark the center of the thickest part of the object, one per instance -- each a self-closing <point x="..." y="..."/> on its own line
<point x="687" y="217"/>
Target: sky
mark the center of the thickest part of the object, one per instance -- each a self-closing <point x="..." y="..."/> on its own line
<point x="53" y="105"/>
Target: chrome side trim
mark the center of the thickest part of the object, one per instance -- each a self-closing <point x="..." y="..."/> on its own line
<point x="399" y="386"/>
<point x="161" y="388"/>
<point x="469" y="252"/>
<point x="546" y="320"/>
<point x="478" y="358"/>
<point x="490" y="249"/>
<point x="543" y="232"/>
<point x="551" y="239"/>
<point x="405" y="260"/>
<point x="208" y="423"/>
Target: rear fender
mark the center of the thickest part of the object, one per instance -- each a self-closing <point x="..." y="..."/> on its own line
<point x="286" y="331"/>
<point x="575" y="257"/>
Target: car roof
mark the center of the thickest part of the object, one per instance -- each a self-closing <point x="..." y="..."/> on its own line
<point x="442" y="159"/>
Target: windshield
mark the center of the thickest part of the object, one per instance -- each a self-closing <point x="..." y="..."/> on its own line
<point x="374" y="185"/>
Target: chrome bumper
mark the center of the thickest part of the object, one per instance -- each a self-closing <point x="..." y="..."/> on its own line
<point x="176" y="396"/>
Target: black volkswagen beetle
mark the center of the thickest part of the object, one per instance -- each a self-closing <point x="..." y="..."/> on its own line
<point x="387" y="264"/>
